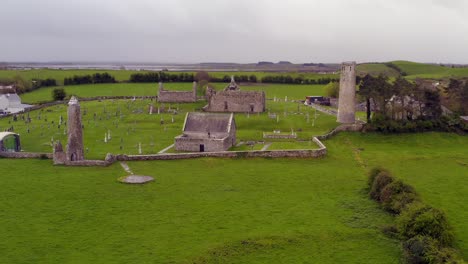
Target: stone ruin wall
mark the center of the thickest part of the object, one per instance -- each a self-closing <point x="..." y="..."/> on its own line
<point x="236" y="101"/>
<point x="193" y="145"/>
<point x="165" y="96"/>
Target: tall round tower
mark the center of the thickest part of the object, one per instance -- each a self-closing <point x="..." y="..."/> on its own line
<point x="346" y="100"/>
<point x="75" y="133"/>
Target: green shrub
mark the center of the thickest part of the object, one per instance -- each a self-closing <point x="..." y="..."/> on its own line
<point x="381" y="180"/>
<point x="420" y="219"/>
<point x="425" y="249"/>
<point x="58" y="94"/>
<point x="396" y="196"/>
<point x="373" y="173"/>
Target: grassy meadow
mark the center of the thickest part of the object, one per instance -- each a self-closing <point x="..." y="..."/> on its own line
<point x="229" y="210"/>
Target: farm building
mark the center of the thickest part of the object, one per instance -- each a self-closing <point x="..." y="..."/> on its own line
<point x="9" y="142"/>
<point x="11" y="103"/>
<point x="207" y="132"/>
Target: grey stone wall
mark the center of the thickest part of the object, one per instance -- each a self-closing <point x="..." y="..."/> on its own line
<point x="306" y="153"/>
<point x="165" y="96"/>
<point x="210" y="145"/>
<point x="357" y="127"/>
<point x="347" y="101"/>
<point x="26" y="155"/>
<point x="236" y="101"/>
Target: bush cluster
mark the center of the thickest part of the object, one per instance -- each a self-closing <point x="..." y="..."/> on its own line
<point x="444" y="123"/>
<point x="425" y="230"/>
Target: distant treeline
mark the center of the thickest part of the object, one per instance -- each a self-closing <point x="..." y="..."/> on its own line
<point x="296" y="80"/>
<point x="89" y="79"/>
<point x="149" y="77"/>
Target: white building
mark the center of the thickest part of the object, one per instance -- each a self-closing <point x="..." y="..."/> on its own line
<point x="11" y="103"/>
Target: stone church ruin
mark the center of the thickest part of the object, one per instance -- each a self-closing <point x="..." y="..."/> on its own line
<point x="207" y="132"/>
<point x="233" y="100"/>
<point x="166" y="96"/>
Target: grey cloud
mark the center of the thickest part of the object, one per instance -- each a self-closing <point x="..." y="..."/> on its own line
<point x="230" y="30"/>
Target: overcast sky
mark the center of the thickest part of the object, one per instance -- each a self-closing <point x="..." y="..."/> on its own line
<point x="189" y="31"/>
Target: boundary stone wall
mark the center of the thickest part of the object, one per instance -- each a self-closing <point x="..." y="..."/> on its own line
<point x="26" y="155"/>
<point x="300" y="153"/>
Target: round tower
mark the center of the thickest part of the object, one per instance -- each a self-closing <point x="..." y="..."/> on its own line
<point x="346" y="100"/>
<point x="75" y="133"/>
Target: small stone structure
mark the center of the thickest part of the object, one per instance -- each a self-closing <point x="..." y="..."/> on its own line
<point x="207" y="132"/>
<point x="9" y="142"/>
<point x="347" y="101"/>
<point x="232" y="99"/>
<point x="165" y="96"/>
<point x="136" y="179"/>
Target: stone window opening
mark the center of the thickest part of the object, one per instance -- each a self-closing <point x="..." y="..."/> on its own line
<point x="225" y="105"/>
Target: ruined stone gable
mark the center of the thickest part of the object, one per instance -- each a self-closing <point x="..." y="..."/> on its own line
<point x="165" y="96"/>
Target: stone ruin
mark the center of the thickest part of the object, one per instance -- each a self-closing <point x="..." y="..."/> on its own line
<point x="207" y="132"/>
<point x="232" y="99"/>
<point x="347" y="97"/>
<point x="75" y="150"/>
<point x="165" y="96"/>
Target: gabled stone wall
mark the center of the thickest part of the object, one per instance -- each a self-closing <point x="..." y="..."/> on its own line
<point x="236" y="101"/>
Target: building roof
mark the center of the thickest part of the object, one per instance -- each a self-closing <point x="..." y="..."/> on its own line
<point x="4" y="134"/>
<point x="208" y="122"/>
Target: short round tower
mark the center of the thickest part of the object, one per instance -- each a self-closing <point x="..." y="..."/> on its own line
<point x="75" y="132"/>
<point x="346" y="100"/>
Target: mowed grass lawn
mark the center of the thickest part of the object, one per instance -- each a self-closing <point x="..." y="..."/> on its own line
<point x="196" y="211"/>
<point x="280" y="91"/>
<point x="228" y="210"/>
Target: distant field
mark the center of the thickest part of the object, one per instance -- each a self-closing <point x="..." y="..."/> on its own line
<point x="294" y="92"/>
<point x="376" y="69"/>
<point x="59" y="75"/>
<point x="421" y="70"/>
<point x="124" y="75"/>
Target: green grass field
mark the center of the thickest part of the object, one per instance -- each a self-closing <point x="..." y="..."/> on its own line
<point x="228" y="210"/>
<point x="130" y="124"/>
<point x="376" y="69"/>
<point x="435" y="164"/>
<point x="280" y="91"/>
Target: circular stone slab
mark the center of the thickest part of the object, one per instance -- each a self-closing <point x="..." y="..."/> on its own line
<point x="136" y="179"/>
